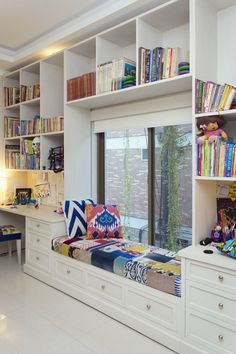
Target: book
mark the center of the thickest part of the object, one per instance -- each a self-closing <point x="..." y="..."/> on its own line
<point x="28" y="93"/>
<point x="11" y="95"/>
<point x="116" y="75"/>
<point x="216" y="159"/>
<point x="11" y="127"/>
<point x="212" y="97"/>
<point x="81" y="86"/>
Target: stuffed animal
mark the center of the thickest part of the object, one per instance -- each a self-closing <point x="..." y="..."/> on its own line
<point x="210" y="128"/>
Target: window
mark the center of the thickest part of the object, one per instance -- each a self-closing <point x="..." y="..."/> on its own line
<point x="158" y="212"/>
<point x="173" y="186"/>
<point x="126" y="178"/>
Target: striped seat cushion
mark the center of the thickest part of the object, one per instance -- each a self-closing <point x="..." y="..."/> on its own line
<point x="75" y="215"/>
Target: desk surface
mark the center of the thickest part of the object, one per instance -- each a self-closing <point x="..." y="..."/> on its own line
<point x="44" y="213"/>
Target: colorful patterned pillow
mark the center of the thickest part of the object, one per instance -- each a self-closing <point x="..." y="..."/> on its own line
<point x="76" y="219"/>
<point x="103" y="221"/>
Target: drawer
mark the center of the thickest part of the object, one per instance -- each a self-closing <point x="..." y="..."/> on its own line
<point x="39" y="226"/>
<point x="212" y="276"/>
<point x="38" y="259"/>
<point x="67" y="272"/>
<point x="105" y="288"/>
<point x="213" y="304"/>
<point x="41" y="241"/>
<point x="209" y="334"/>
<point x="154" y="310"/>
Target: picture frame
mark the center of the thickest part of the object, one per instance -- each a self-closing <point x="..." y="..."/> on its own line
<point x="23" y="195"/>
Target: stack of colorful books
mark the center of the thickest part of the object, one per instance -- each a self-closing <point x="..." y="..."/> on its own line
<point x="217" y="159"/>
<point x="211" y="97"/>
<point x="116" y="75"/>
<point x="81" y="86"/>
<point x="30" y="126"/>
<point x="11" y="127"/>
<point x="161" y="63"/>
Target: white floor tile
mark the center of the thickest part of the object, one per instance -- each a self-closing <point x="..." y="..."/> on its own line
<point x="42" y="320"/>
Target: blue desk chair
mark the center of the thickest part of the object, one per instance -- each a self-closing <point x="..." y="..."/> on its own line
<point x="9" y="233"/>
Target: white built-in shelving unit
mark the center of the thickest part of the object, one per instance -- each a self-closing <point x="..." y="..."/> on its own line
<point x="215" y="48"/>
<point x="49" y="73"/>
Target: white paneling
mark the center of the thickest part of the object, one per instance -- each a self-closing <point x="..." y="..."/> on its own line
<point x="206" y="40"/>
<point x="149" y="36"/>
<point x="51" y="100"/>
<point x="226" y="46"/>
<point x="146" y="120"/>
<point x="77" y="139"/>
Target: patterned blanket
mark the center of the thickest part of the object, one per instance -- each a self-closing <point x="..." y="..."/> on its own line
<point x="152" y="266"/>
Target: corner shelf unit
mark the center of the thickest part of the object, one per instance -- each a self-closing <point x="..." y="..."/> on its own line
<point x="49" y="73"/>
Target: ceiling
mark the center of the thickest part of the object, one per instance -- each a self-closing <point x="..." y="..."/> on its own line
<point x="32" y="29"/>
<point x="30" y="19"/>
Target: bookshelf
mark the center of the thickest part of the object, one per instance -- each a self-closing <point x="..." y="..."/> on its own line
<point x="158" y="27"/>
<point x="49" y="103"/>
<point x="214" y="25"/>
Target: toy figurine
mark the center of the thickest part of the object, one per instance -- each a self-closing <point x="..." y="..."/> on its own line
<point x="210" y="128"/>
<point x="217" y="234"/>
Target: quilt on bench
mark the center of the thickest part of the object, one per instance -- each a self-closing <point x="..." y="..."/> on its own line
<point x="154" y="267"/>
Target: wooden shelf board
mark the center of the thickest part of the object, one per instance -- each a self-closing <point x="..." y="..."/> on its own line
<point x="13" y="138"/>
<point x="136" y="93"/>
<point x="207" y="178"/>
<point x="15" y="106"/>
<point x="229" y="114"/>
<point x="34" y="135"/>
<point x="33" y="102"/>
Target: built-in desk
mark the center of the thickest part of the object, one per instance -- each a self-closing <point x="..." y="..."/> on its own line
<point x="38" y="227"/>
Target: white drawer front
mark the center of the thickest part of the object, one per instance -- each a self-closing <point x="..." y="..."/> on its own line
<point x="215" y="277"/>
<point x="106" y="288"/>
<point x="39" y="226"/>
<point x="41" y="241"/>
<point x="38" y="259"/>
<point x="220" y="339"/>
<point x="224" y="308"/>
<point x="154" y="310"/>
<point x="69" y="273"/>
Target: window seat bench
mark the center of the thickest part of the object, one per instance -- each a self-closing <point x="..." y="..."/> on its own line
<point x="151" y="266"/>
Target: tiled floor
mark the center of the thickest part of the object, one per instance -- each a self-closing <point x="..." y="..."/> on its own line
<point x="42" y="320"/>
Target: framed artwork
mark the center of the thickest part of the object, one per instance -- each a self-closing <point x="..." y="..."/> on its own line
<point x="23" y="195"/>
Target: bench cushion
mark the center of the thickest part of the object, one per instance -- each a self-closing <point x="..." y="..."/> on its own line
<point x="148" y="265"/>
<point x="9" y="233"/>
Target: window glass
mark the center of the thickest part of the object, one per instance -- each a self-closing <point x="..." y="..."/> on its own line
<point x="126" y="172"/>
<point x="173" y="186"/>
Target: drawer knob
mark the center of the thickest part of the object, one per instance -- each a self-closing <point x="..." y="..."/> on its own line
<point x="103" y="287"/>
<point x="38" y="240"/>
<point x="220" y="337"/>
<point x="221" y="306"/>
<point x="148" y="306"/>
<point x="38" y="225"/>
<point x="68" y="271"/>
<point x="37" y="258"/>
<point x="220" y="277"/>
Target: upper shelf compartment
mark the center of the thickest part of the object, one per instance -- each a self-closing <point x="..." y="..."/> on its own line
<point x="80" y="69"/>
<point x="163" y="42"/>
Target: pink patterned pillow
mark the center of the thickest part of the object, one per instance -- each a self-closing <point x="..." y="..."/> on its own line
<point x="103" y="221"/>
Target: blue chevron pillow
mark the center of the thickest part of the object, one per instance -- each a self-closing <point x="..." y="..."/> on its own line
<point x="75" y="215"/>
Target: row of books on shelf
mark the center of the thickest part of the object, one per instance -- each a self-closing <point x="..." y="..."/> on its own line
<point x="30" y="126"/>
<point x="115" y="75"/>
<point x="217" y="159"/>
<point x="54" y="124"/>
<point x="11" y="96"/>
<point x="29" y="92"/>
<point x="81" y="86"/>
<point x="30" y="155"/>
<point x="212" y="97"/>
<point x="14" y="127"/>
<point x="161" y="63"/>
<point x="30" y="162"/>
<point x="11" y="127"/>
<point x="12" y="156"/>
